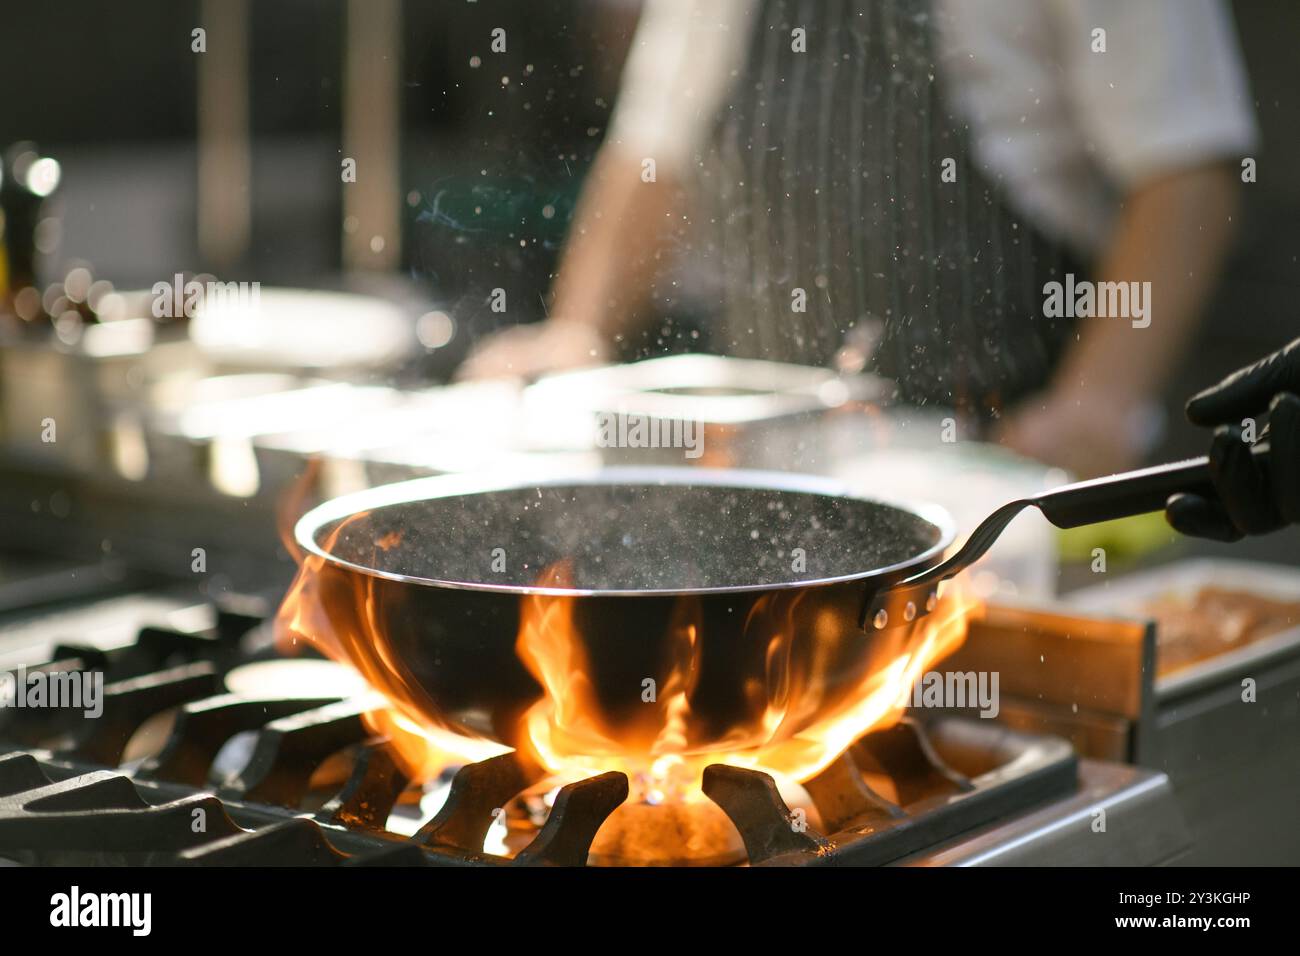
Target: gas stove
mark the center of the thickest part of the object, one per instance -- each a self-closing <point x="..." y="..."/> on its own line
<point x="209" y="749"/>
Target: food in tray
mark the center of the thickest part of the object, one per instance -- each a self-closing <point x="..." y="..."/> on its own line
<point x="1193" y="627"/>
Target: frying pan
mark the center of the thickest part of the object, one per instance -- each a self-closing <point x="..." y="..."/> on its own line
<point x="766" y="600"/>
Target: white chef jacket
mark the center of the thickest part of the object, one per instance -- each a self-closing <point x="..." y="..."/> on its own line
<point x="1069" y="130"/>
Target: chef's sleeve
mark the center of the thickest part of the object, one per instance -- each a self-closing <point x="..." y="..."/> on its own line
<point x="1168" y="91"/>
<point x="684" y="58"/>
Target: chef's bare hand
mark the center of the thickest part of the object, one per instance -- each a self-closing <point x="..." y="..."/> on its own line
<point x="1254" y="497"/>
<point x="530" y="351"/>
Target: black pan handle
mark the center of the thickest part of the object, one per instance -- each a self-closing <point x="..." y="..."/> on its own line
<point x="1070" y="506"/>
<point x="1126" y="494"/>
<point x="1132" y="492"/>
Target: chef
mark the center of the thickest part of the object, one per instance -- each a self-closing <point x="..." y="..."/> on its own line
<point x="906" y="180"/>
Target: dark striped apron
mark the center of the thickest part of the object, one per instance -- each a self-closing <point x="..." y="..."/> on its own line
<point x="824" y="174"/>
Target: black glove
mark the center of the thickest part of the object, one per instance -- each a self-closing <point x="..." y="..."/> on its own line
<point x="1254" y="497"/>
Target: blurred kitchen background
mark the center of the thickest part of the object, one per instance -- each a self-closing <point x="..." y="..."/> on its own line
<point x="227" y="163"/>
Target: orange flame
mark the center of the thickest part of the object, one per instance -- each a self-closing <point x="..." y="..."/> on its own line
<point x="339" y="614"/>
<point x="565" y="735"/>
<point x="563" y="729"/>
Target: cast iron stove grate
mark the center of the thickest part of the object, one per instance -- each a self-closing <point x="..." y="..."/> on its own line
<point x="64" y="800"/>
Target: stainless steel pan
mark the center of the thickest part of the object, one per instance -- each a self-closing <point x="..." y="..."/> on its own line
<point x="750" y="586"/>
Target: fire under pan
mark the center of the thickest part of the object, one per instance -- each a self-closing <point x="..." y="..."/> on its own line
<point x="66" y="798"/>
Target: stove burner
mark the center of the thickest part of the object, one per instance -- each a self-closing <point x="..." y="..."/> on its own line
<point x="297" y="802"/>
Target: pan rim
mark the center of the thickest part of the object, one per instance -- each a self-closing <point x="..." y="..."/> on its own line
<point x="468" y="483"/>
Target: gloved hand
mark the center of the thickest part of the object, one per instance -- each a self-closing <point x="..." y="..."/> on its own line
<point x="1253" y="498"/>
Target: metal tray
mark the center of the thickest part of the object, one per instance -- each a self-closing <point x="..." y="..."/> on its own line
<point x="1128" y="596"/>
